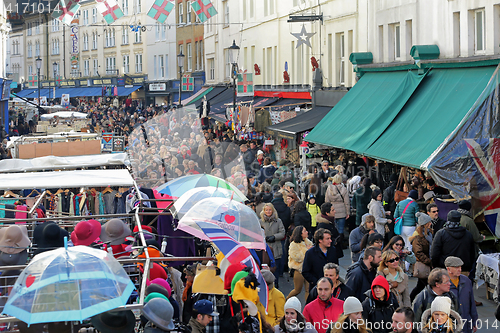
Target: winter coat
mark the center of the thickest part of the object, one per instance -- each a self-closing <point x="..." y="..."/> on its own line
<point x="317" y="311"/>
<point x="466" y="303"/>
<point x="426" y="317"/>
<point x="275" y="307"/>
<point x="314" y="260"/>
<point x="336" y="241"/>
<point x="359" y="278"/>
<point x="355" y="238"/>
<point x="302" y="218"/>
<point x="313" y="211"/>
<point x="468" y="223"/>
<point x="421" y="248"/>
<point x="376" y="209"/>
<point x="388" y="197"/>
<point x="360" y="201"/>
<point x="296" y="254"/>
<point x="308" y="328"/>
<point x="409" y="219"/>
<point x="267" y="171"/>
<point x="283" y="211"/>
<point x="275" y="228"/>
<point x="401" y="292"/>
<point x="338" y="196"/>
<point x="248" y="159"/>
<point x="456" y="242"/>
<point x="424" y="300"/>
<point x="377" y="311"/>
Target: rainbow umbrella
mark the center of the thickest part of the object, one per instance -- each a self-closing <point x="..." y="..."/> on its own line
<point x="177" y="187"/>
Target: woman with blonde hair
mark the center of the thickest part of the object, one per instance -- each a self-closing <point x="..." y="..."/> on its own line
<point x="398" y="280"/>
<point x="274" y="232"/>
<point x="337" y="195"/>
<point x="440" y="318"/>
<point x="351" y="320"/>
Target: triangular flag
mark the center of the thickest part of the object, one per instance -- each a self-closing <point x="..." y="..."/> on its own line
<point x="204" y="9"/>
<point x="109" y="9"/>
<point x="66" y="10"/>
<point x="160" y="10"/>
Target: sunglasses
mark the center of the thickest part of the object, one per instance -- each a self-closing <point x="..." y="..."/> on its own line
<point x="435" y="211"/>
<point x="393" y="260"/>
<point x="398" y="244"/>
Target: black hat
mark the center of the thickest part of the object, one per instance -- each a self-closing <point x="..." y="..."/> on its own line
<point x="48" y="236"/>
<point x="454" y="216"/>
<point x="13" y="259"/>
<point x="464" y="204"/>
<point x="114" y="322"/>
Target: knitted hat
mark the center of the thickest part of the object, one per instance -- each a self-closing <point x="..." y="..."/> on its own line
<point x="268" y="277"/>
<point x="413" y="194"/>
<point x="423" y="218"/>
<point x="441" y="303"/>
<point x="464" y="204"/>
<point x="293" y="303"/>
<point x="454" y="216"/>
<point x="351" y="305"/>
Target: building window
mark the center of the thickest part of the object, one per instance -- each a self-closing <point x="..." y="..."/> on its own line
<point x="57" y="46"/>
<point x="126" y="64"/>
<point x="30" y="50"/>
<point x="29" y="31"/>
<point x="479" y="30"/>
<point x="225" y="5"/>
<point x="137" y="7"/>
<point x="55" y="25"/>
<point x="111" y="65"/>
<point x="85" y="16"/>
<point x="30" y="70"/>
<point x="94" y="41"/>
<point x="85" y="42"/>
<point x="189" y="57"/>
<point x="211" y="73"/>
<point x="162" y="66"/>
<point x="124" y="35"/>
<point x="86" y="68"/>
<point x="37" y="48"/>
<point x="125" y="7"/>
<point x="397" y="41"/>
<point x="157" y="32"/>
<point x="164" y="32"/>
<point x="202" y="65"/>
<point x="197" y="62"/>
<point x="227" y="68"/>
<point x="341" y="57"/>
<point x="251" y="8"/>
<point x="37" y="27"/>
<point x="96" y="67"/>
<point x="138" y="63"/>
<point x="138" y="36"/>
<point x="188" y="11"/>
<point x="113" y="35"/>
<point x="94" y="15"/>
<point x="155" y="70"/>
<point x="181" y="13"/>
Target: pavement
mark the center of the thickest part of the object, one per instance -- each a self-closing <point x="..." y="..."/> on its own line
<point x="486" y="312"/>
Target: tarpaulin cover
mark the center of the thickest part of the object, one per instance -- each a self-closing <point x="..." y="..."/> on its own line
<point x="61" y="162"/>
<point x="302" y="122"/>
<point x="199" y="94"/>
<point x="468" y="160"/>
<point x="64" y="114"/>
<point x="65" y="179"/>
<point x="365" y="112"/>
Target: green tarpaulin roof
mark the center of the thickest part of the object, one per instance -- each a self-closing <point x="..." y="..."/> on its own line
<point x="400" y="116"/>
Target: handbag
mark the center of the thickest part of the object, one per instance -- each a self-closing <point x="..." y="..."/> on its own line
<point x="398" y="226"/>
<point x="400" y="195"/>
<point x="421" y="270"/>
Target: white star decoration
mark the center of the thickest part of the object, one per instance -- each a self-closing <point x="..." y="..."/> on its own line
<point x="303" y="37"/>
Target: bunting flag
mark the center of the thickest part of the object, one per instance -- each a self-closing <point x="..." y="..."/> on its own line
<point x="160" y="10"/>
<point x="66" y="10"/>
<point x="245" y="83"/>
<point x="109" y="9"/>
<point x="204" y="9"/>
<point x="33" y="81"/>
<point x="187" y="83"/>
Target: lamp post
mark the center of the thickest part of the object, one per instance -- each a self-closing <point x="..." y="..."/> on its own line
<point x="233" y="59"/>
<point x="54" y="67"/>
<point x="180" y="62"/>
<point x="38" y="62"/>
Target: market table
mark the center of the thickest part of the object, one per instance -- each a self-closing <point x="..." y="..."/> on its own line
<point x="487" y="271"/>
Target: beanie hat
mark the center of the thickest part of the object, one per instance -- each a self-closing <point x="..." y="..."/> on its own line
<point x="464" y="204"/>
<point x="229" y="275"/>
<point x="413" y="194"/>
<point x="293" y="303"/>
<point x="423" y="218"/>
<point x="351" y="305"/>
<point x="376" y="192"/>
<point x="454" y="216"/>
<point x="441" y="303"/>
<point x="367" y="182"/>
<point x="268" y="277"/>
<point x="382" y="282"/>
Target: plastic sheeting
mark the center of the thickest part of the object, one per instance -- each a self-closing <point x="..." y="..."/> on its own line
<point x="468" y="161"/>
<point x="64" y="114"/>
<point x="66" y="179"/>
<point x="56" y="162"/>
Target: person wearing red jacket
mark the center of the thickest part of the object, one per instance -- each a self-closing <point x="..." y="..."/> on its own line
<point x="325" y="309"/>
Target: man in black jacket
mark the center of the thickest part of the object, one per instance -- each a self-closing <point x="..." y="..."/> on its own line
<point x="282" y="209"/>
<point x="318" y="256"/>
<point x="453" y="240"/>
<point x="247" y="158"/>
<point x="360" y="275"/>
<point x="388" y="197"/>
<point x="437" y="222"/>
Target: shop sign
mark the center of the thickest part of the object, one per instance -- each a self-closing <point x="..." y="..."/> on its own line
<point x="118" y="143"/>
<point x="107" y="142"/>
<point x="305" y="150"/>
<point x="269" y="142"/>
<point x="157" y="86"/>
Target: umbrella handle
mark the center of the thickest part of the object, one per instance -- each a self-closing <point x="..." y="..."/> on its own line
<point x="66" y="243"/>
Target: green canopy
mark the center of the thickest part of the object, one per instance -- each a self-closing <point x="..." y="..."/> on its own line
<point x="197" y="98"/>
<point x="366" y="110"/>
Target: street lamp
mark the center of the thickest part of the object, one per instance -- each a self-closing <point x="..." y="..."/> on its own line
<point x="180" y="62"/>
<point x="38" y="62"/>
<point x="233" y="59"/>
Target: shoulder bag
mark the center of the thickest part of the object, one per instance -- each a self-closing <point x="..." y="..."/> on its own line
<point x="399" y="194"/>
<point x="421" y="270"/>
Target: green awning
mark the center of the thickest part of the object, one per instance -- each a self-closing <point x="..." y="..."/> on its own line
<point x="432" y="113"/>
<point x="366" y="110"/>
<point x="200" y="96"/>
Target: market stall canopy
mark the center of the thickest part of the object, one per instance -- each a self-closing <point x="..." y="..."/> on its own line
<point x="64" y="114"/>
<point x="287" y="104"/>
<point x="301" y="123"/>
<point x="66" y="179"/>
<point x="199" y="94"/>
<point x="402" y="116"/>
<point x="57" y="162"/>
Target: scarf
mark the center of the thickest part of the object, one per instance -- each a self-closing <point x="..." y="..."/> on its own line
<point x="185" y="292"/>
<point x="329" y="218"/>
<point x="465" y="212"/>
<point x="292" y="328"/>
<point x="269" y="219"/>
<point x="452" y="225"/>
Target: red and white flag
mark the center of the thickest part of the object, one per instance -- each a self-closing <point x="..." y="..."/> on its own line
<point x="66" y="10"/>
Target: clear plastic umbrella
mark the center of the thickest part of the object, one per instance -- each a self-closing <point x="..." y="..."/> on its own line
<point x="191" y="197"/>
<point x="238" y="220"/>
<point x="69" y="284"/>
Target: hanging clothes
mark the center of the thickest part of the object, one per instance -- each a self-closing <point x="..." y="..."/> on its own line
<point x="262" y="120"/>
<point x="109" y="201"/>
<point x="179" y="243"/>
<point x="20" y="215"/>
<point x="3" y="204"/>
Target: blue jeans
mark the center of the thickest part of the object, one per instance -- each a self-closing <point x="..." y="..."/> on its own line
<point x="340" y="225"/>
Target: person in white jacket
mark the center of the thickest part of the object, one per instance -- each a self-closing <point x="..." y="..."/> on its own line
<point x="376" y="208"/>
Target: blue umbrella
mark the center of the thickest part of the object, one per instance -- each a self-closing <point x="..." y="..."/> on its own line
<point x="69" y="284"/>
